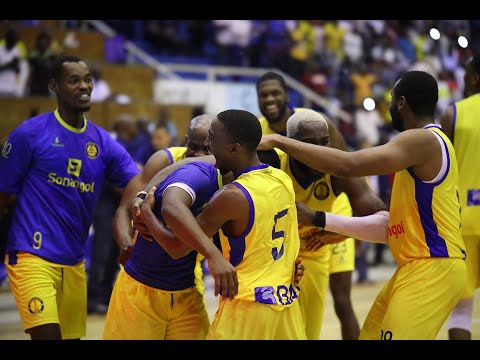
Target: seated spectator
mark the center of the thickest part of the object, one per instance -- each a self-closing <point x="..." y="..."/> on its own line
<point x="101" y="91"/>
<point x="40" y="60"/>
<point x="161" y="137"/>
<point x="14" y="68"/>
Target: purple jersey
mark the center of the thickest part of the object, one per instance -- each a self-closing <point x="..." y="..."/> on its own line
<point x="58" y="171"/>
<point x="149" y="263"/>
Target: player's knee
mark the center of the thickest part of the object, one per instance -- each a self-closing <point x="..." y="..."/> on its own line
<point x="461" y="317"/>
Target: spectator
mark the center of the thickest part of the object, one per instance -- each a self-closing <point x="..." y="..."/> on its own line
<point x="40" y="60"/>
<point x="14" y="68"/>
<point x="101" y="91"/>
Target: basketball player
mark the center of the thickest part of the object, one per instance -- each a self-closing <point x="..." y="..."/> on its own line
<point x="155" y="297"/>
<point x="460" y="124"/>
<point x="256" y="218"/>
<point x="273" y="102"/>
<point x="316" y="191"/>
<point x="424" y="226"/>
<point x="56" y="163"/>
<point x="194" y="146"/>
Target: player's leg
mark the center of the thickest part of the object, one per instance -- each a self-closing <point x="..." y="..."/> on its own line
<point x="372" y="326"/>
<point x="340" y="287"/>
<point x="460" y="322"/>
<point x="424" y="295"/>
<point x="313" y="293"/>
<point x="72" y="302"/>
<point x="189" y="318"/>
<point x="342" y="264"/>
<point x="34" y="283"/>
<point x="136" y="311"/>
<point x="258" y="321"/>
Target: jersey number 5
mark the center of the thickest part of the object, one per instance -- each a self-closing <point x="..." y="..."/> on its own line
<point x="278" y="234"/>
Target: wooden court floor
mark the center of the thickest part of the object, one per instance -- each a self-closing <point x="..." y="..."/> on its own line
<point x="362" y="297"/>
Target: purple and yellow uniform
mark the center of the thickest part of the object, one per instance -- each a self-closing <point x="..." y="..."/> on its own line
<point x="425" y="240"/>
<point x="264" y="258"/>
<point x="467" y="141"/>
<point x="57" y="172"/>
<point x="155" y="296"/>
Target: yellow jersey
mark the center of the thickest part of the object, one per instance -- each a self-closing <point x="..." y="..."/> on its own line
<point x="466" y="140"/>
<point x="425" y="216"/>
<point x="176" y="153"/>
<point x="318" y="195"/>
<point x="264" y="255"/>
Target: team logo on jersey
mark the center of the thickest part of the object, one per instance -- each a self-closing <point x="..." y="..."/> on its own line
<point x="92" y="150"/>
<point x="57" y="143"/>
<point x="321" y="191"/>
<point x="7" y="147"/>
<point x="265" y="295"/>
<point x="74" y="167"/>
<point x="35" y="305"/>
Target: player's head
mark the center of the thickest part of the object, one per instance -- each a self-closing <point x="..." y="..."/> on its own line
<point x="72" y="83"/>
<point x="125" y="127"/>
<point x="233" y="138"/>
<point x="161" y="137"/>
<point x="472" y="76"/>
<point x="311" y="127"/>
<point x="272" y="95"/>
<point x="196" y="135"/>
<point x="414" y="94"/>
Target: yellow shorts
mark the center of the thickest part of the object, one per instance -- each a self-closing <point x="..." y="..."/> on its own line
<point x="48" y="293"/>
<point x="417" y="300"/>
<point x="199" y="274"/>
<point x="241" y="319"/>
<point x="313" y="295"/>
<point x="140" y="312"/>
<point x="472" y="247"/>
<point x="342" y="256"/>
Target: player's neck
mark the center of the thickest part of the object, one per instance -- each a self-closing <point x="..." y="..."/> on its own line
<point x="246" y="166"/>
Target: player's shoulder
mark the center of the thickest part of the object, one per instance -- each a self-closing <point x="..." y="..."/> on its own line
<point x="196" y="169"/>
<point x="34" y="125"/>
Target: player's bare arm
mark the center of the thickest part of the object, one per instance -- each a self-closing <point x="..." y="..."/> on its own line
<point x="160" y="176"/>
<point x="174" y="247"/>
<point x="379" y="160"/>
<point x="122" y="229"/>
<point x="447" y="123"/>
<point x="337" y="140"/>
<point x="187" y="230"/>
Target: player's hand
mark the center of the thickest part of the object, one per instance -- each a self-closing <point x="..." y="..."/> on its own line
<point x="268" y="142"/>
<point x="141" y="211"/>
<point x="320" y="238"/>
<point x="305" y="215"/>
<point x="225" y="276"/>
<point x="136" y="207"/>
<point x="328" y="237"/>
<point x="125" y="254"/>
<point x="314" y="241"/>
<point x="299" y="270"/>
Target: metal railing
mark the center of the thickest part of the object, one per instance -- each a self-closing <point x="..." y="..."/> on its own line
<point x="171" y="70"/>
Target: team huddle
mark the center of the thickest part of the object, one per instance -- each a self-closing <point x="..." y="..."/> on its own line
<point x="267" y="202"/>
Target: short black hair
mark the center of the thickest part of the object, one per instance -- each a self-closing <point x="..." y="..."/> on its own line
<point x="269" y="157"/>
<point x="242" y="127"/>
<point x="272" y="76"/>
<point x="475" y="63"/>
<point x="420" y="89"/>
<point x="56" y="69"/>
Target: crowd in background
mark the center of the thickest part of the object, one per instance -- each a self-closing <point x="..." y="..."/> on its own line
<point x="344" y="61"/>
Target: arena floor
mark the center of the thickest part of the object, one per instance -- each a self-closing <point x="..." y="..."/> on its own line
<point x="362" y="297"/>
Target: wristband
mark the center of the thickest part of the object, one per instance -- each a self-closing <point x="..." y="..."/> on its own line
<point x="142" y="195"/>
<point x="319" y="219"/>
